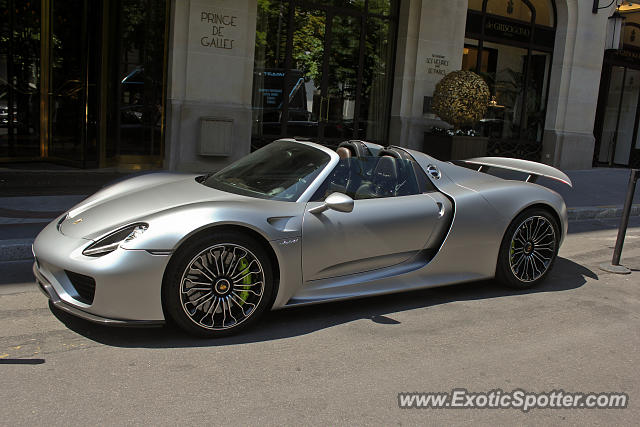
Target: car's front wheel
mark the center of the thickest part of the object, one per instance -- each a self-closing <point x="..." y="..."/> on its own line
<point x="218" y="284"/>
<point x="529" y="249"/>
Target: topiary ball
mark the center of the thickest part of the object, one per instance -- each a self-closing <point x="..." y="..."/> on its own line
<point x="461" y="99"/>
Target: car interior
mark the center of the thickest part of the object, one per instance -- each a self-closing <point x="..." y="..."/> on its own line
<point x="361" y="174"/>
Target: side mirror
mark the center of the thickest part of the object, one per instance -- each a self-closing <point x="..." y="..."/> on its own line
<point x="337" y="202"/>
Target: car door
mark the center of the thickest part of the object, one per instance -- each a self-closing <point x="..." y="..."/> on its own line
<point x="379" y="232"/>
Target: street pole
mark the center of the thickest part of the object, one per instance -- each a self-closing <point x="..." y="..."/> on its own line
<point x="615" y="266"/>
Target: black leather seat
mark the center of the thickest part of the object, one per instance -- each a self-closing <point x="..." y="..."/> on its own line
<point x="357" y="148"/>
<point x="383" y="181"/>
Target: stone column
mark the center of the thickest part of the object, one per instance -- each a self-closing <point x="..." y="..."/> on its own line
<point x="430" y="45"/>
<point x="210" y="79"/>
<point x="575" y="79"/>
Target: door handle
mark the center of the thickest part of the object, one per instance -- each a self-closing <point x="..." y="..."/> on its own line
<point x="440" y="209"/>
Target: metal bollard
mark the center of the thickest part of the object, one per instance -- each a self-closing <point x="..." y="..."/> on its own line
<point x="615" y="266"/>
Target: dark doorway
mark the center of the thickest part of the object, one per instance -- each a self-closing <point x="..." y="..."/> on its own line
<point x="82" y="82"/>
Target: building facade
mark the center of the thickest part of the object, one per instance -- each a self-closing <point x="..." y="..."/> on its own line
<point x="195" y="84"/>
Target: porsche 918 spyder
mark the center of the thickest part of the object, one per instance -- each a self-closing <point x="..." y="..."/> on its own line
<point x="296" y="223"/>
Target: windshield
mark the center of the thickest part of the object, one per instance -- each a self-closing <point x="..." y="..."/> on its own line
<point x="280" y="171"/>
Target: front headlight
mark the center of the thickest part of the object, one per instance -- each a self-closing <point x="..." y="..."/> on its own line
<point x="112" y="241"/>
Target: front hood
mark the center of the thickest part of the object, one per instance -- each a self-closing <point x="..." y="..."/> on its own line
<point x="134" y="200"/>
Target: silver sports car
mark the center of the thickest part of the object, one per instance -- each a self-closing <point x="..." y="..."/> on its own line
<point x="296" y="223"/>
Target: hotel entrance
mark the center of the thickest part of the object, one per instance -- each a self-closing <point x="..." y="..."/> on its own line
<point x="323" y="70"/>
<point x="83" y="82"/>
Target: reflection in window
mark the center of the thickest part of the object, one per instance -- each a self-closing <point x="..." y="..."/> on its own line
<point x="517" y="76"/>
<point x="135" y="87"/>
<point x="631" y="35"/>
<point x="518" y="9"/>
<point x="293" y="97"/>
<point x="20" y="79"/>
<point x="504" y="68"/>
<point x="376" y="87"/>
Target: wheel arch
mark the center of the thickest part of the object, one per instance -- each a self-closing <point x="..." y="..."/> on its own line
<point x="247" y="231"/>
<point x="538" y="205"/>
<point x="546" y="207"/>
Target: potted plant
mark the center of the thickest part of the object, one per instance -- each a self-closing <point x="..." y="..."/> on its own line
<point x="461" y="99"/>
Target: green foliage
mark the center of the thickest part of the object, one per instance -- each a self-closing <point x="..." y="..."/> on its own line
<point x="461" y="99"/>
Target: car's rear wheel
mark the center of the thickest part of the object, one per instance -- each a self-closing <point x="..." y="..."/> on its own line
<point x="529" y="249"/>
<point x="218" y="284"/>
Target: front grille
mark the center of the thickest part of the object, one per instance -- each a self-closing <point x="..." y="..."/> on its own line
<point x="85" y="286"/>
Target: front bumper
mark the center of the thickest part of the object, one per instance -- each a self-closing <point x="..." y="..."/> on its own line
<point x="128" y="283"/>
<point x="50" y="292"/>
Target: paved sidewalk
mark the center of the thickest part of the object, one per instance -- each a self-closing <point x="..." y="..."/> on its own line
<point x="596" y="193"/>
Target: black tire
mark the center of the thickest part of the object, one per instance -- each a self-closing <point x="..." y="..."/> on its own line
<point x="186" y="291"/>
<point x="521" y="266"/>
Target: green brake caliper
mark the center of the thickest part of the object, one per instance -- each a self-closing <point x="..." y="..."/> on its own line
<point x="244" y="266"/>
<point x="512" y="251"/>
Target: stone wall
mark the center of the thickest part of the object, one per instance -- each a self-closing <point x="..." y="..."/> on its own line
<point x="575" y="80"/>
<point x="430" y="44"/>
<point x="210" y="78"/>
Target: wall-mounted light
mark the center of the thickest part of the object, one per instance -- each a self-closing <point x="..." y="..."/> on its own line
<point x="615" y="26"/>
<point x="597" y="7"/>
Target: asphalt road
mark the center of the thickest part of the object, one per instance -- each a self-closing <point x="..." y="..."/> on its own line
<point x="343" y="362"/>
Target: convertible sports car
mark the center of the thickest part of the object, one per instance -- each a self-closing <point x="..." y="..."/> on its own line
<point x="296" y="223"/>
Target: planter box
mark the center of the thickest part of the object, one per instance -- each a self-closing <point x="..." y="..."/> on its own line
<point x="454" y="147"/>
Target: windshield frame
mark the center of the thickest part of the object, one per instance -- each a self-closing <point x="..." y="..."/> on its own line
<point x="313" y="185"/>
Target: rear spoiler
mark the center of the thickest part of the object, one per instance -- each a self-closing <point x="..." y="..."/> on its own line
<point x="534" y="169"/>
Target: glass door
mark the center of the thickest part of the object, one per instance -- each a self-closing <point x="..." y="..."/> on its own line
<point x="620" y="117"/>
<point x="72" y="92"/>
<point x="19" y="80"/>
<point x="339" y="87"/>
<point x="323" y="71"/>
<point x="134" y="73"/>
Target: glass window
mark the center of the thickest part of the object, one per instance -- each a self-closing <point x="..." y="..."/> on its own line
<point x="376" y="84"/>
<point x="619" y="116"/>
<point x="504" y="69"/>
<point x="347" y="4"/>
<point x="631" y="30"/>
<point x="68" y="95"/>
<point x="517" y="9"/>
<point x="135" y="86"/>
<point x="518" y="81"/>
<point x="514" y="9"/>
<point x="280" y="171"/>
<point x="505" y="75"/>
<point x="537" y="95"/>
<point x="313" y="85"/>
<point x="383" y="7"/>
<point x="371" y="178"/>
<point x="269" y="67"/>
<point x="20" y="78"/>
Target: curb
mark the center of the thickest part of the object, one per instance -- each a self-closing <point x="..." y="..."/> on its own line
<point x="15" y="250"/>
<point x="600" y="212"/>
<point x="20" y="249"/>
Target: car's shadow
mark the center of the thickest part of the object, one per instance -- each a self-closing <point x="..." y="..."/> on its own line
<point x="292" y="322"/>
